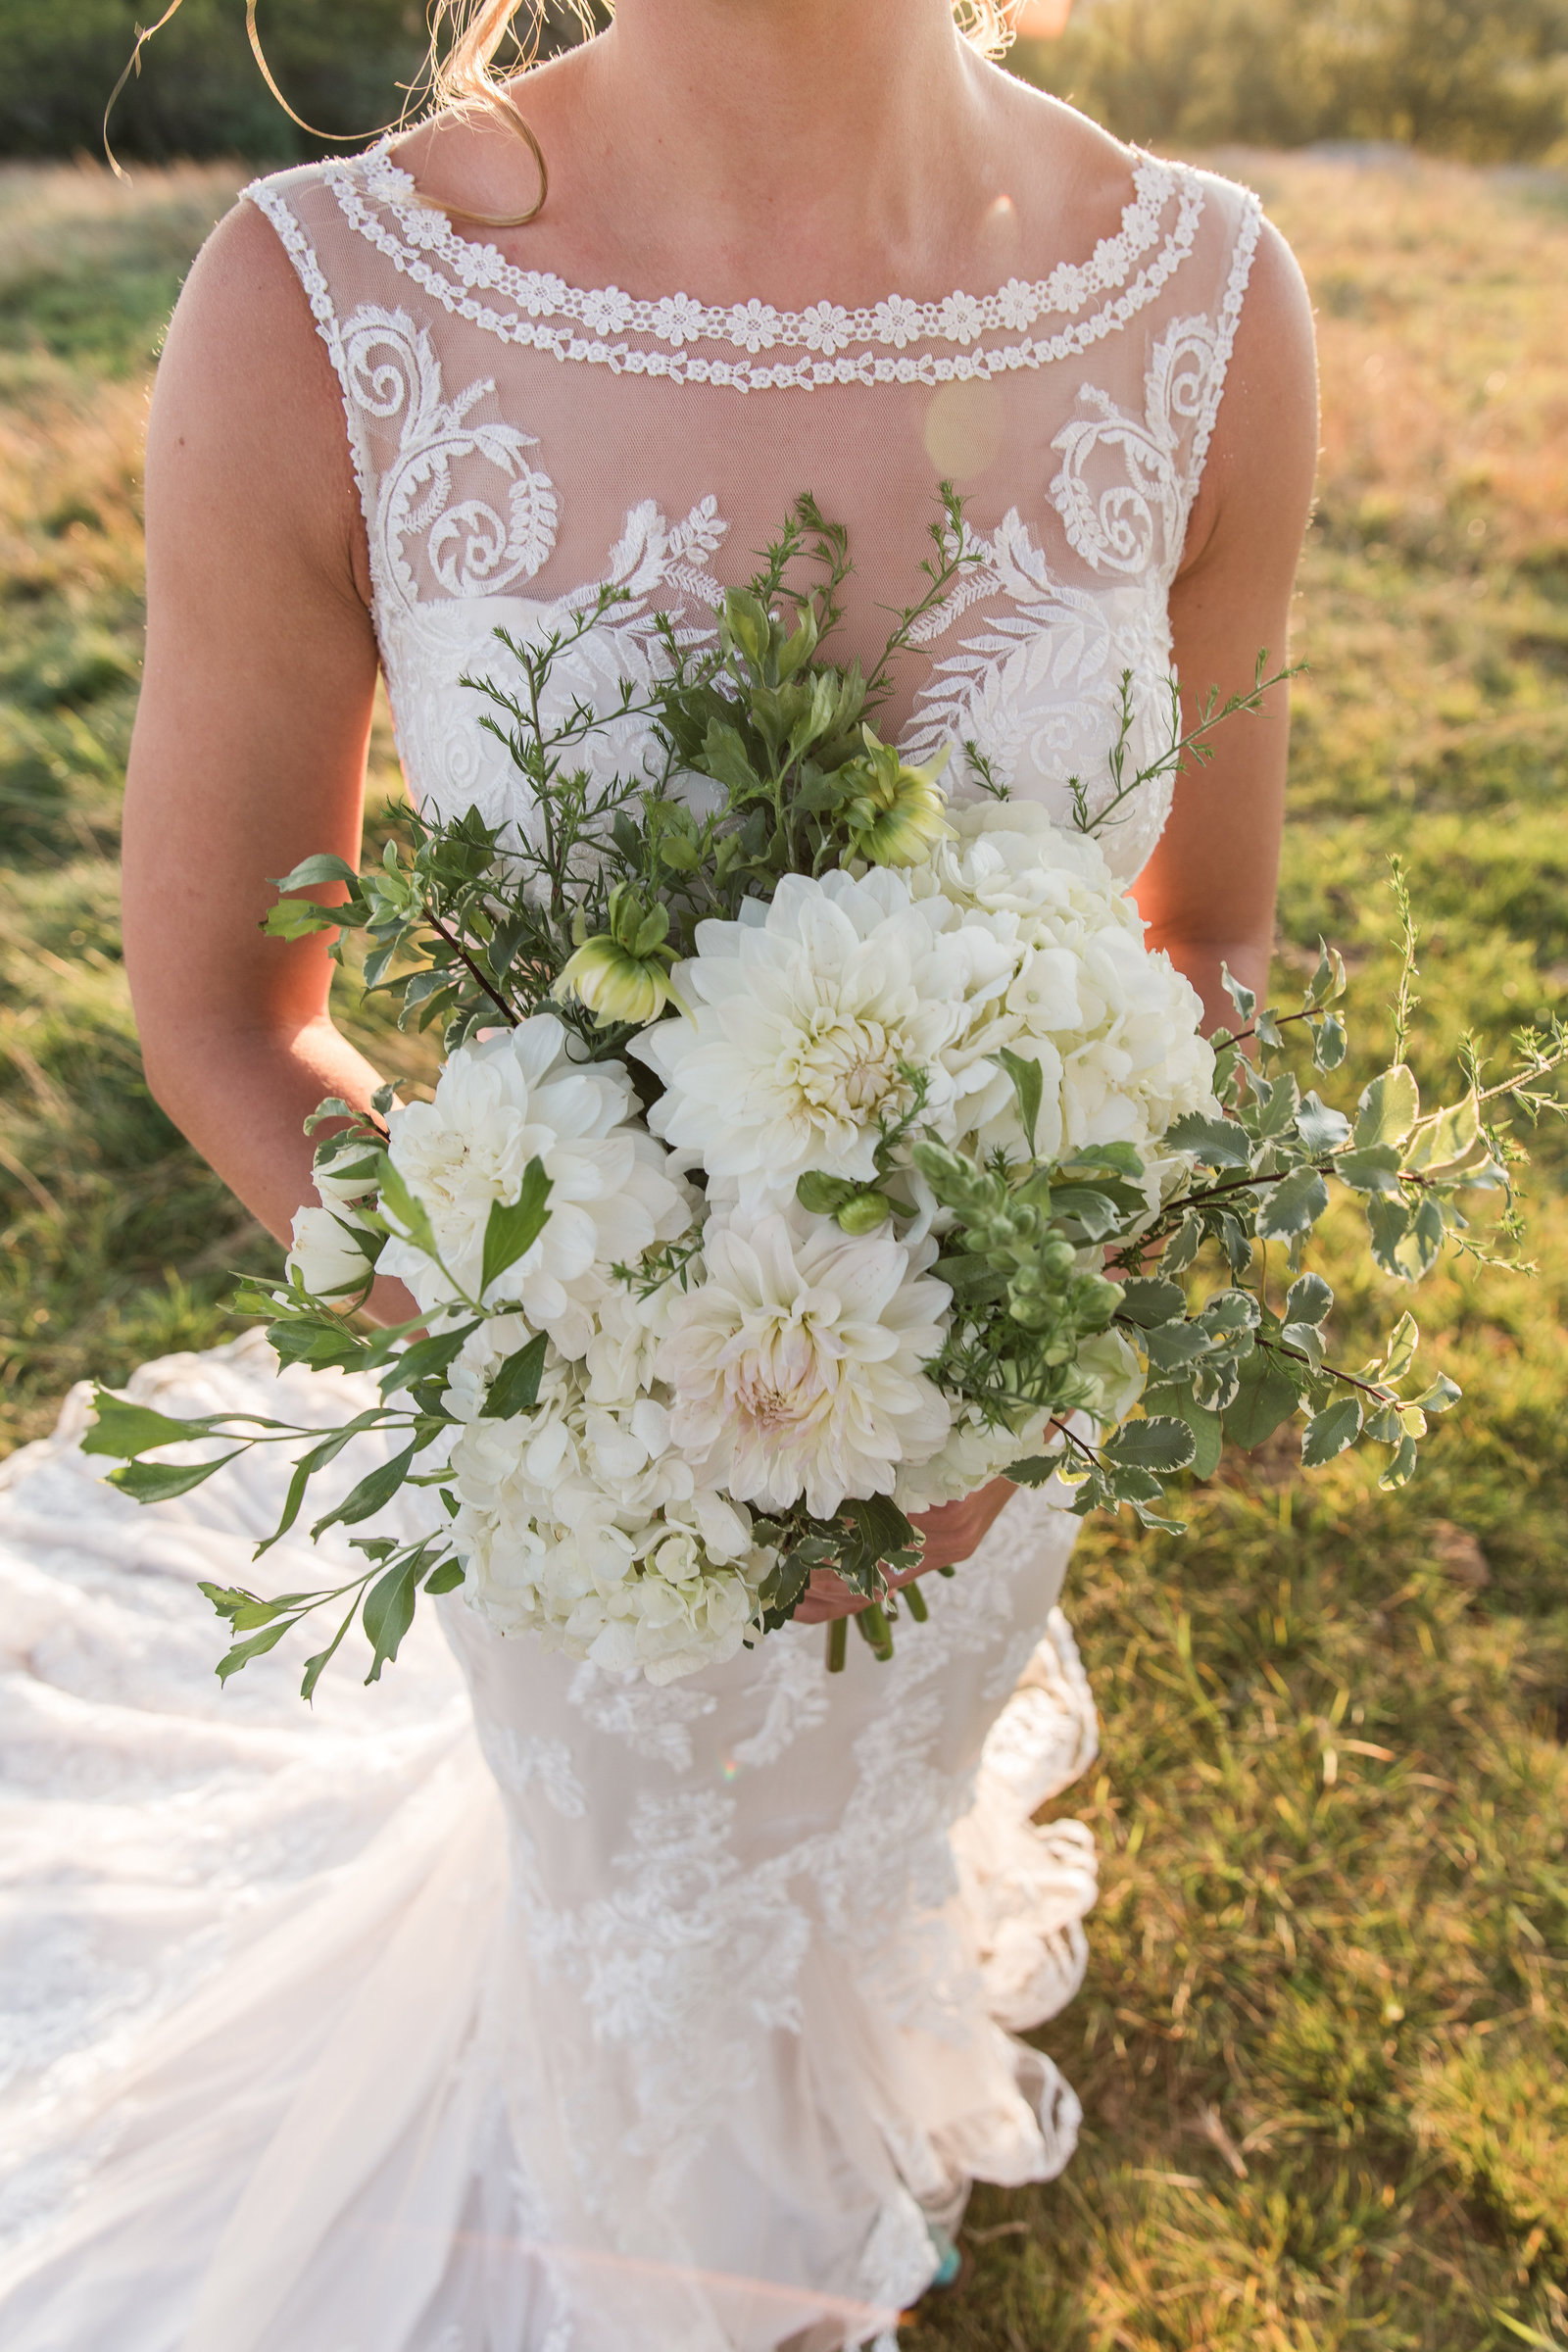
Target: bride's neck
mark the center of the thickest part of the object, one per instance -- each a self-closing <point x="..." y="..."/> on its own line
<point x="794" y="127"/>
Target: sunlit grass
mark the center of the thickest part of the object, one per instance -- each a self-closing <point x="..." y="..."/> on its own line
<point x="1323" y="2047"/>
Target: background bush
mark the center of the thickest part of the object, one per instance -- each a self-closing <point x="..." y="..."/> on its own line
<point x="1482" y="79"/>
<point x="341" y="64"/>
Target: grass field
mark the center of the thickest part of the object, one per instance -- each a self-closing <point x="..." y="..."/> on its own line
<point x="1323" y="2047"/>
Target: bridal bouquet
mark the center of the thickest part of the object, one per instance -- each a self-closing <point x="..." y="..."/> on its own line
<point x="807" y="1151"/>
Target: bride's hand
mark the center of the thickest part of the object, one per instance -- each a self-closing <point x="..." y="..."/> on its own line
<point x="951" y="1535"/>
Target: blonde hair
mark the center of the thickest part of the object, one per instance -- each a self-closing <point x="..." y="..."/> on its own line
<point x="477" y="31"/>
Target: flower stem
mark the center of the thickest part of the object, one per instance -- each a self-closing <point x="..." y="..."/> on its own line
<point x="877" y="1631"/>
<point x="914" y="1601"/>
<point x="838" y="1635"/>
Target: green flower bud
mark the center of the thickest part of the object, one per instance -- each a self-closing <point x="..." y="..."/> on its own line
<point x="825" y="1196"/>
<point x="864" y="1213"/>
<point x="616" y="985"/>
<point x="895" y="815"/>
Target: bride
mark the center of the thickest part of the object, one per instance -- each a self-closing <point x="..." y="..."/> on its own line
<point x="512" y="2006"/>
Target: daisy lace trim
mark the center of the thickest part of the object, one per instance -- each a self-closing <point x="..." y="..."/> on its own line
<point x="868" y="345"/>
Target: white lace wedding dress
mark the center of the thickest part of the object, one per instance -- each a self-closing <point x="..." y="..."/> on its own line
<point x="510" y="2006"/>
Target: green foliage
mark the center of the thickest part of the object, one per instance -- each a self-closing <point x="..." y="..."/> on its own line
<point x="1473" y="77"/>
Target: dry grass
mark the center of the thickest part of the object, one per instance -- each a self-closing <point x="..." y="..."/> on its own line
<point x="1323" y="2046"/>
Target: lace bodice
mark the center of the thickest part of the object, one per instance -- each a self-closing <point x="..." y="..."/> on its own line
<point x="519" y="442"/>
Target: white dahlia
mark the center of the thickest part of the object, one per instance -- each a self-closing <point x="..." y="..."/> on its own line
<point x="517" y="1098"/>
<point x="796" y="1363"/>
<point x="806" y="1015"/>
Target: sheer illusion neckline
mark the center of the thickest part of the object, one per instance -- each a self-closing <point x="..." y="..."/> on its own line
<point x="1124" y="265"/>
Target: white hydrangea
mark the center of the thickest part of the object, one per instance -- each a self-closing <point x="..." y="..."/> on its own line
<point x="803" y="1017"/>
<point x="499" y="1105"/>
<point x="969" y="1457"/>
<point x="583" y="1523"/>
<point x="795" y="1362"/>
<point x="1115" y="1029"/>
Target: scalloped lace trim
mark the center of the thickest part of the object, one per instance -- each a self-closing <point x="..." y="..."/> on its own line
<point x="425" y="247"/>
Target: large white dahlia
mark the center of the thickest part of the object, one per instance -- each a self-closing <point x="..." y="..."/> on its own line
<point x="498" y="1105"/>
<point x="806" y="1016"/>
<point x="795" y="1362"/>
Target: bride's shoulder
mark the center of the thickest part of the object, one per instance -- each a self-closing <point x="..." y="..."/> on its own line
<point x="1075" y="181"/>
<point x="247" y="392"/>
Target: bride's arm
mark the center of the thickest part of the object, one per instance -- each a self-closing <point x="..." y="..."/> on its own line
<point x="1208" y="890"/>
<point x="250" y="741"/>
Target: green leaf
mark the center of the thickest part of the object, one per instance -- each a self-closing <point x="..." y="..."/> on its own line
<point x="161" y="1482"/>
<point x="1244" y="999"/>
<point x="1308" y="1300"/>
<point x="125" y="1429"/>
<point x="1280" y="1105"/>
<point x="1265" y="1398"/>
<point x="1387" y="1109"/>
<point x="783" y="1589"/>
<point x="1452" y="1142"/>
<point x="1096" y="1211"/>
<point x="513" y="1226"/>
<point x="399" y="1205"/>
<point x="1208" y="1435"/>
<point x="1372" y="1171"/>
<point x="882" y="1535"/>
<point x="373" y="1493"/>
<point x="1330" y="1044"/>
<point x="1028" y="1082"/>
<point x="446" y="1578"/>
<point x="1387" y="1223"/>
<point x="1036" y="1470"/>
<point x="316" y="1666"/>
<point x="725" y="760"/>
<point x="311" y="871"/>
<point x="1441" y="1396"/>
<point x="1401" y="1469"/>
<point x="1163" y="1445"/>
<point x="1230" y="1315"/>
<point x="1173" y="1345"/>
<point x="425" y="1360"/>
<point x="1330" y="1432"/>
<point x="1292" y="1205"/>
<point x="1320" y="1127"/>
<point x="1216" y="1143"/>
<point x="1400" y="1352"/>
<point x="389" y="1608"/>
<point x="1148" y="1302"/>
<point x="516" y="1387"/>
<point x="256" y="1647"/>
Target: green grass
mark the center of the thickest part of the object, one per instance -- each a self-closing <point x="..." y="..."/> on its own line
<point x="1323" y="2047"/>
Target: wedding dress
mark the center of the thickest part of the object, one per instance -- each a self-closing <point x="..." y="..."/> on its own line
<point x="512" y="2006"/>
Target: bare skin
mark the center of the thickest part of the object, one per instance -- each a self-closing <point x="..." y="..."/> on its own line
<point x="794" y="149"/>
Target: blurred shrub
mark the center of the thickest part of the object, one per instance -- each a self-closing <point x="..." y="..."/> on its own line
<point x="341" y="64"/>
<point x="1482" y="78"/>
